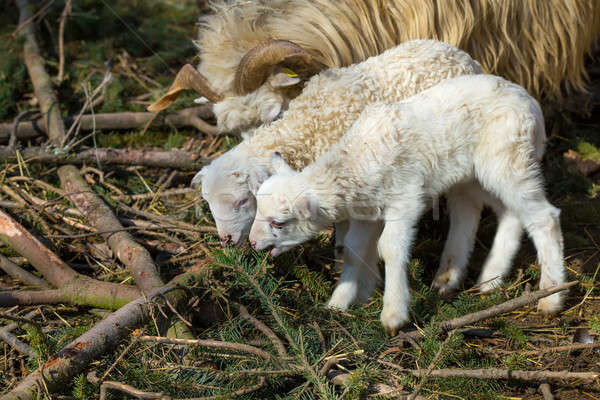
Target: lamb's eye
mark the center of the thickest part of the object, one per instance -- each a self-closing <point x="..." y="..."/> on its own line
<point x="277" y="224"/>
<point x="240" y="203"/>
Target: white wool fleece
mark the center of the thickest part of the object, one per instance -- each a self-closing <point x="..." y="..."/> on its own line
<point x="468" y="130"/>
<point x="316" y="119"/>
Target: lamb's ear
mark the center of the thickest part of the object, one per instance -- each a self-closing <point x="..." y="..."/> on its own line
<point x="307" y="206"/>
<point x="197" y="179"/>
<point x="271" y="112"/>
<point x="256" y="177"/>
<point x="279" y="164"/>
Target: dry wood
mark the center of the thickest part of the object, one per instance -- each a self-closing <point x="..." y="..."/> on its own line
<point x="498" y="373"/>
<point x="42" y="85"/>
<point x="268" y="332"/>
<point x="130" y="390"/>
<point x="19" y="273"/>
<point x="61" y="40"/>
<point x="568" y="347"/>
<point x="80" y="289"/>
<point x="193" y="116"/>
<point x="13" y="341"/>
<point x="546" y="391"/>
<point x="61" y="368"/>
<point x="35" y="297"/>
<point x="133" y="255"/>
<point x="240" y="347"/>
<point x="183" y="160"/>
<point x="497" y="309"/>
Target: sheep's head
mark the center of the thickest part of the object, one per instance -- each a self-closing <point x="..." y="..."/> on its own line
<point x="228" y="185"/>
<point x="266" y="79"/>
<point x="287" y="212"/>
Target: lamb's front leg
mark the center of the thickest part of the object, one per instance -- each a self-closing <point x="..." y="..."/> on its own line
<point x="394" y="248"/>
<point x="360" y="273"/>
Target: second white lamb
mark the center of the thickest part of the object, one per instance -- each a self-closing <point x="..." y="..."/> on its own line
<point x="471" y="131"/>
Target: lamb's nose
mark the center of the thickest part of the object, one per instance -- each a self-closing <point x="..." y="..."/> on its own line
<point x="253" y="244"/>
<point x="225" y="240"/>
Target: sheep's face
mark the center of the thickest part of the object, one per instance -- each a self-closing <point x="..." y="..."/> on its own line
<point x="226" y="186"/>
<point x="287" y="213"/>
<point x="263" y="106"/>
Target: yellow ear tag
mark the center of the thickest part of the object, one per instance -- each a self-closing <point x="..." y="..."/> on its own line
<point x="289" y="72"/>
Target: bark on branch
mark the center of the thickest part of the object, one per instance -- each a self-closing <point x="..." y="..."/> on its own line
<point x="102" y="338"/>
<point x="133" y="255"/>
<point x="193" y="116"/>
<point x="42" y="84"/>
<point x="79" y="288"/>
<point x="182" y="160"/>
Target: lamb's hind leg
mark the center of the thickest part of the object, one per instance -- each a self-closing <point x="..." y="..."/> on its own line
<point x="521" y="192"/>
<point x="465" y="203"/>
<point x="360" y="272"/>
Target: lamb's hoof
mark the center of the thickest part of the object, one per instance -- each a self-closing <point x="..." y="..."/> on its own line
<point x="445" y="282"/>
<point x="550" y="305"/>
<point x="393" y="319"/>
<point x="334" y="305"/>
<point x="489" y="286"/>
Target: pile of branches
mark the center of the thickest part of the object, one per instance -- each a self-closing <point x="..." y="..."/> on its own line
<point x="85" y="216"/>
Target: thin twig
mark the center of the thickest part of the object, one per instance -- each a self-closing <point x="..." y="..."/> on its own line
<point x="241" y="347"/>
<point x="497" y="309"/>
<point x="61" y="41"/>
<point x="546" y="391"/>
<point x="432" y="365"/>
<point x="265" y="330"/>
<point x="130" y="390"/>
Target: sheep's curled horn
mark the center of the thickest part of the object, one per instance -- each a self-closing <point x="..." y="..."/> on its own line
<point x="188" y="77"/>
<point x="257" y="64"/>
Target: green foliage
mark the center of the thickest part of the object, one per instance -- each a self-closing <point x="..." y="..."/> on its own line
<point x="595" y="323"/>
<point x="515" y="361"/>
<point x="514" y="335"/>
<point x="82" y="389"/>
<point x="313" y="281"/>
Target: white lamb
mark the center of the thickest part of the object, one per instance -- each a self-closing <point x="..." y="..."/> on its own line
<point x="317" y="119"/>
<point x="478" y="128"/>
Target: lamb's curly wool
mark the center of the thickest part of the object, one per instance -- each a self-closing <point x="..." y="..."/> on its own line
<point x="466" y="130"/>
<point x="333" y="99"/>
<point x="539" y="44"/>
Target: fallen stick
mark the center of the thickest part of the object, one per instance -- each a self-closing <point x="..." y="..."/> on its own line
<point x="546" y="391"/>
<point x="69" y="362"/>
<point x="133" y="255"/>
<point x="216" y="344"/>
<point x="568" y="347"/>
<point x="193" y="116"/>
<point x="183" y="160"/>
<point x="495" y="310"/>
<point x="497" y="373"/>
<point x="13" y="341"/>
<point x="79" y="288"/>
<point x="130" y="390"/>
<point x="377" y="389"/>
<point x="19" y="273"/>
<point x="103" y="337"/>
<point x="42" y="84"/>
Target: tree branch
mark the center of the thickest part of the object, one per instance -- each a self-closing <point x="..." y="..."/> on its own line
<point x="193" y="116"/>
<point x="42" y="85"/>
<point x="183" y="160"/>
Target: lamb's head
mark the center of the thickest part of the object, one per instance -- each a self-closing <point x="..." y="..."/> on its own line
<point x="266" y="79"/>
<point x="228" y="185"/>
<point x="287" y="211"/>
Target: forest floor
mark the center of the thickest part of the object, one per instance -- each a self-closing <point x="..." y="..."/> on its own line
<point x="144" y="44"/>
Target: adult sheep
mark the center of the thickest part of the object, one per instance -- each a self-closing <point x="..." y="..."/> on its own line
<point x="256" y="54"/>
